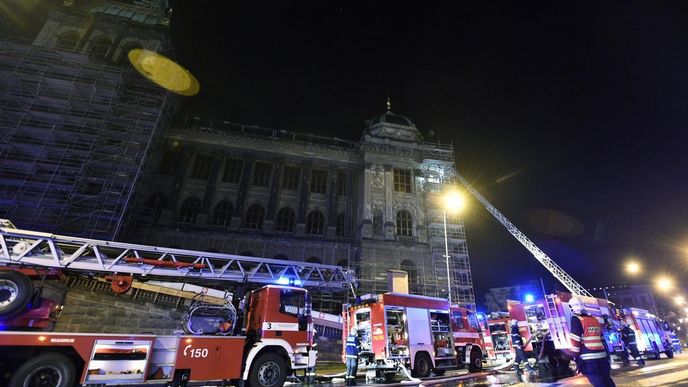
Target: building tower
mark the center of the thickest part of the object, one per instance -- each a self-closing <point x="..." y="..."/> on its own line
<point x="402" y="224"/>
<point x="76" y="120"/>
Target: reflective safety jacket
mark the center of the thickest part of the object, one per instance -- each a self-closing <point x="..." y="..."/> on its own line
<point x="587" y="341"/>
<point x="352" y="344"/>
<point x="628" y="336"/>
<point x="516" y="339"/>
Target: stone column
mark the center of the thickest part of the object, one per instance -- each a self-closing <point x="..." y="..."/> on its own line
<point x="243" y="190"/>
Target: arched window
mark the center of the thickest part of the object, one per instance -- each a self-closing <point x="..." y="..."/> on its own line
<point x="341" y="229"/>
<point x="99" y="48"/>
<point x="343" y="263"/>
<point x="314" y="260"/>
<point x="410" y="267"/>
<point x="189" y="210"/>
<point x="285" y="220"/>
<point x="315" y="223"/>
<point x="155" y="204"/>
<point x="377" y="222"/>
<point x="67" y="40"/>
<point x="255" y="217"/>
<point x="404" y="223"/>
<point x="222" y="214"/>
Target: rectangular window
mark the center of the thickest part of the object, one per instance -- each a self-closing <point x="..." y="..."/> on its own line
<point x="232" y="172"/>
<point x="202" y="166"/>
<point x="290" y="178"/>
<point x="319" y="181"/>
<point x="261" y="173"/>
<point x="341" y="183"/>
<point x="402" y="180"/>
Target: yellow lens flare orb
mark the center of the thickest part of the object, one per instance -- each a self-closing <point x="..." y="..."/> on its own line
<point x="164" y="72"/>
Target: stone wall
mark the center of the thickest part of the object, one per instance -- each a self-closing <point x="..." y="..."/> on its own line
<point x="90" y="306"/>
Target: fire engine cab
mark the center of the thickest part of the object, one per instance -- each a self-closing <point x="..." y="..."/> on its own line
<point x="395" y="328"/>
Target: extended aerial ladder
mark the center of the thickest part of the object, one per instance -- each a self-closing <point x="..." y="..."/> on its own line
<point x="574" y="287"/>
<point x="80" y="255"/>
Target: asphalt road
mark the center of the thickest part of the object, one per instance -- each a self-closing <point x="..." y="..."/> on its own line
<point x="655" y="373"/>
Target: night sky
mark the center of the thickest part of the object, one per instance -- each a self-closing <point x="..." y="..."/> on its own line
<point x="571" y="120"/>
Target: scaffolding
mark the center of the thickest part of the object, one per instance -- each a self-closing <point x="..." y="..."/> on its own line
<point x="74" y="134"/>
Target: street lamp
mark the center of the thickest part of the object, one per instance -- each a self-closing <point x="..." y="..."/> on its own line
<point x="633" y="267"/>
<point x="664" y="283"/>
<point x="679" y="300"/>
<point x="453" y="202"/>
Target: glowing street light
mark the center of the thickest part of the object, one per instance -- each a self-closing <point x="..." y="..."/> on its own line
<point x="679" y="300"/>
<point x="664" y="283"/>
<point x="633" y="267"/>
<point x="454" y="202"/>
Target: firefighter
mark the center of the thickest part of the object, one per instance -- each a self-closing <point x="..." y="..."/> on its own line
<point x="352" y="348"/>
<point x="517" y="342"/>
<point x="628" y="338"/>
<point x="588" y="347"/>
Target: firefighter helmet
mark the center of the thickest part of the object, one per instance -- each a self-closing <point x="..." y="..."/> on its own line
<point x="576" y="305"/>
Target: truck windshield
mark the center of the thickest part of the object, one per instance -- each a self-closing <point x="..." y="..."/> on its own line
<point x="293" y="303"/>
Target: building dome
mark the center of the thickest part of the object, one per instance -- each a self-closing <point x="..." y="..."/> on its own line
<point x="393" y="126"/>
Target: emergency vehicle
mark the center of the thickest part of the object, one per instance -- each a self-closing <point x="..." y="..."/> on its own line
<point x="275" y="339"/>
<point x="402" y="329"/>
<point x="497" y="338"/>
<point x="649" y="334"/>
<point x="551" y="317"/>
<point x="469" y="341"/>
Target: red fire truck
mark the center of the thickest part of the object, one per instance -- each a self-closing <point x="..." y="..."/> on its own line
<point x="497" y="338"/>
<point x="468" y="338"/>
<point x="652" y="339"/>
<point x="394" y="328"/>
<point x="276" y="338"/>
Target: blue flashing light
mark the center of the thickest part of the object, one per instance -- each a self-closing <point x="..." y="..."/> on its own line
<point x="289" y="281"/>
<point x="529" y="298"/>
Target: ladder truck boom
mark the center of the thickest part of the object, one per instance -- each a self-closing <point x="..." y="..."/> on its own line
<point x="37" y="249"/>
<point x="558" y="273"/>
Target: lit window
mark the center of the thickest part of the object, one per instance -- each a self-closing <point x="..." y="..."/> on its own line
<point x="232" y="172"/>
<point x="189" y="210"/>
<point x="203" y="165"/>
<point x="261" y="174"/>
<point x="404" y="223"/>
<point x="254" y="217"/>
<point x="285" y="220"/>
<point x="315" y="223"/>
<point x="290" y="178"/>
<point x="319" y="181"/>
<point x="402" y="180"/>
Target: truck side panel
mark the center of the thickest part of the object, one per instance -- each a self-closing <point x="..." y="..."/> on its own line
<point x="211" y="358"/>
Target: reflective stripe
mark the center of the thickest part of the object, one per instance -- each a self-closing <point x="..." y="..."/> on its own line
<point x="593" y="355"/>
<point x="351" y="344"/>
<point x="575" y="349"/>
<point x="575" y="337"/>
<point x="352" y="356"/>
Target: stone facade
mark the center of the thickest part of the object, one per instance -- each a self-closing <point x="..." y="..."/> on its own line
<point x="372" y="205"/>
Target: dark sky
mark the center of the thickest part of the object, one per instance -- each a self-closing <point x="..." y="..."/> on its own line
<point x="584" y="105"/>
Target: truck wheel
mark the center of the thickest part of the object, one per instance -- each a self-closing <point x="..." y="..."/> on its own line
<point x="268" y="370"/>
<point x="46" y="370"/>
<point x="439" y="372"/>
<point x="16" y="290"/>
<point x="422" y="366"/>
<point x="476" y="364"/>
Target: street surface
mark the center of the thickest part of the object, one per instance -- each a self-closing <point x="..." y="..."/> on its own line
<point x="656" y="373"/>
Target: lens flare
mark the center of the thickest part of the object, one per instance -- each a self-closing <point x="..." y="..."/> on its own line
<point x="164" y="72"/>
